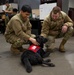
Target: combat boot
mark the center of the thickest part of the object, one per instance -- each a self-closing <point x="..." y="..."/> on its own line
<point x="15" y="51"/>
<point x="61" y="47"/>
<point x="50" y="48"/>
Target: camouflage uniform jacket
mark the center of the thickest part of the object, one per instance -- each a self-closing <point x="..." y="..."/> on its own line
<point x="50" y="25"/>
<point x="17" y="26"/>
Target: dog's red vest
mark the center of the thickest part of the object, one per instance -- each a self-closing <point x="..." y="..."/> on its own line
<point x="34" y="48"/>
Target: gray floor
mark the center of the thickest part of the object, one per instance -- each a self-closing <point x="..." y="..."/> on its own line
<point x="11" y="65"/>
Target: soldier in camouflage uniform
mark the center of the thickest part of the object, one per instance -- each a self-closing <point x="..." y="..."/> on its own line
<point x="8" y="9"/>
<point x="18" y="30"/>
<point x="7" y="12"/>
<point x="57" y="24"/>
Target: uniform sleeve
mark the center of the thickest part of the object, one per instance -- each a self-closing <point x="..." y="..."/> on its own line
<point x="67" y="20"/>
<point x="45" y="28"/>
<point x="16" y="25"/>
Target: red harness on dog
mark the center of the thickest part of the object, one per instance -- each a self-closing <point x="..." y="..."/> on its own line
<point x="34" y="48"/>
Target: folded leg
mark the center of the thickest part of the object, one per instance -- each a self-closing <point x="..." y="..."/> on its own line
<point x="27" y="65"/>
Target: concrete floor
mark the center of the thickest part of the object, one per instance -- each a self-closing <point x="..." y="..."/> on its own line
<point x="11" y="65"/>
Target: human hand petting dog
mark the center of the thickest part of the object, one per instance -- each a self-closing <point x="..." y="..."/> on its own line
<point x="33" y="41"/>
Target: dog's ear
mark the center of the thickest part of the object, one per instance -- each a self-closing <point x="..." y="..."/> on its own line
<point x="44" y="40"/>
<point x="41" y="39"/>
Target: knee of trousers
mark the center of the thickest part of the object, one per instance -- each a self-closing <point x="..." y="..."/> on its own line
<point x="69" y="33"/>
<point x="71" y="29"/>
<point x="18" y="43"/>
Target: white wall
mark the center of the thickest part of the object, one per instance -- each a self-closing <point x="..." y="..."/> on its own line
<point x="71" y="3"/>
<point x="45" y="9"/>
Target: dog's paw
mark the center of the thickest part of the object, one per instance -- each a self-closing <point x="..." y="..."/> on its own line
<point x="28" y="69"/>
<point x="47" y="60"/>
<point x="51" y="65"/>
<point x="46" y="54"/>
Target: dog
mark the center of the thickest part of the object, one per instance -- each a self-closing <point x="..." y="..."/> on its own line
<point x="35" y="54"/>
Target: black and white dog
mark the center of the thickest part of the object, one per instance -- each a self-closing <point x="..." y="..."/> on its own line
<point x="34" y="55"/>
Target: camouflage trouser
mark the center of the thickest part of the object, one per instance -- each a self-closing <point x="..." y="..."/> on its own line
<point x="16" y="41"/>
<point x="51" y="39"/>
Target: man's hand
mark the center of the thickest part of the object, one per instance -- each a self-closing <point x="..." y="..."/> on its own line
<point x="33" y="41"/>
<point x="64" y="29"/>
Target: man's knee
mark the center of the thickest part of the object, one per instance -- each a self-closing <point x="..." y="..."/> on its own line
<point x="18" y="43"/>
<point x="71" y="29"/>
<point x="69" y="33"/>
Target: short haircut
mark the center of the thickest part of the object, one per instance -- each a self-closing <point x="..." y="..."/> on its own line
<point x="56" y="9"/>
<point x="26" y="8"/>
<point x="15" y="10"/>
